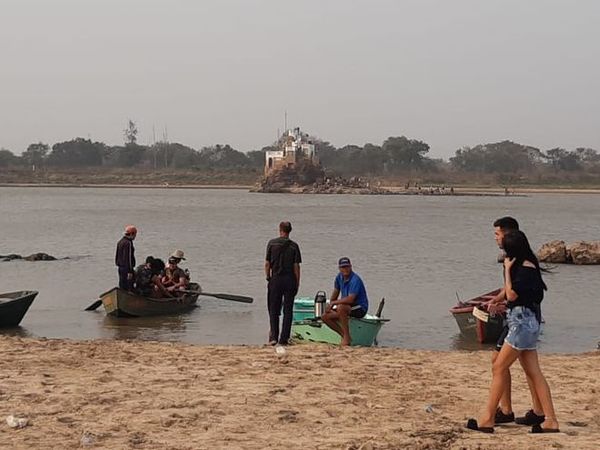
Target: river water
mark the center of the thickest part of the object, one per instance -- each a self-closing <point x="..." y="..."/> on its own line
<point x="417" y="252"/>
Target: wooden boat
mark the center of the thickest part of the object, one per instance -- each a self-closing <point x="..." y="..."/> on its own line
<point x="475" y="322"/>
<point x="13" y="307"/>
<point x="121" y="303"/>
<point x="305" y="328"/>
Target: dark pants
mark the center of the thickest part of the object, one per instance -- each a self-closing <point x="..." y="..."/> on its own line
<point x="124" y="282"/>
<point x="282" y="290"/>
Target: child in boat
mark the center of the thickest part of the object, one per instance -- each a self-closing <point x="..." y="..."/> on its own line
<point x="148" y="279"/>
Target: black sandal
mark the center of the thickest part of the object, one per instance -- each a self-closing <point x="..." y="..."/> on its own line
<point x="472" y="425"/>
<point x="503" y="418"/>
<point x="538" y="429"/>
<point x="530" y="418"/>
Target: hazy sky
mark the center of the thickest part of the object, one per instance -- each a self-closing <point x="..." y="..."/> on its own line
<point x="451" y="73"/>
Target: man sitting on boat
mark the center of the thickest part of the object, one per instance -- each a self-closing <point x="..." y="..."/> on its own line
<point x="175" y="278"/>
<point x="353" y="301"/>
<point x="148" y="279"/>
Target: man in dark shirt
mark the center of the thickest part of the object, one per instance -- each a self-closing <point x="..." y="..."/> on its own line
<point x="505" y="414"/>
<point x="125" y="258"/>
<point x="282" y="270"/>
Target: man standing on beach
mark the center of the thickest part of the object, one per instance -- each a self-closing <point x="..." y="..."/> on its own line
<point x="282" y="270"/>
<point x="505" y="414"/>
<point x="125" y="258"/>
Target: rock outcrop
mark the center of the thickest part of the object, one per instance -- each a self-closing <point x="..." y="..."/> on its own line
<point x="553" y="252"/>
<point x="583" y="253"/>
<point x="32" y="257"/>
<point x="580" y="252"/>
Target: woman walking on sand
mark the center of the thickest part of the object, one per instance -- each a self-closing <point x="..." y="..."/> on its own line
<point x="524" y="292"/>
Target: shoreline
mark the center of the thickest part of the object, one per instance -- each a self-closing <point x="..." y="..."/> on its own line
<point x="147" y="395"/>
<point x="459" y="190"/>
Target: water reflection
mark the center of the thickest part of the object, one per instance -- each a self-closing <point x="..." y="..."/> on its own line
<point x="460" y="342"/>
<point x="146" y="328"/>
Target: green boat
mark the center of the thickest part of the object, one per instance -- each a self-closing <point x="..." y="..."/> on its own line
<point x="306" y="328"/>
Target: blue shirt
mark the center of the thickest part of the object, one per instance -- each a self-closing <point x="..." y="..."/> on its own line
<point x="354" y="285"/>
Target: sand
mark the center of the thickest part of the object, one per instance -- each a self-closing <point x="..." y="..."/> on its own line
<point x="146" y="395"/>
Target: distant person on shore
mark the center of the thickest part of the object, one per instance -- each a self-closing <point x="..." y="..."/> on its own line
<point x="282" y="270"/>
<point x="175" y="278"/>
<point x="125" y="258"/>
<point x="497" y="305"/>
<point x="352" y="303"/>
<point x="148" y="279"/>
<point x="524" y="289"/>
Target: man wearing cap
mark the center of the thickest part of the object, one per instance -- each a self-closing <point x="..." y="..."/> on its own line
<point x="125" y="258"/>
<point x="175" y="278"/>
<point x="282" y="269"/>
<point x="353" y="301"/>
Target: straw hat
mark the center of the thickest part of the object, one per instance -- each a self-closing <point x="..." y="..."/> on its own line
<point x="177" y="254"/>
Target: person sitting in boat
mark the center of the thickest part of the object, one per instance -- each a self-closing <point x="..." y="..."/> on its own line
<point x="352" y="303"/>
<point x="148" y="279"/>
<point x="175" y="278"/>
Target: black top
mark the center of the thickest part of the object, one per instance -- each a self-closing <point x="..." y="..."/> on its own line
<point x="282" y="254"/>
<point x="143" y="280"/>
<point x="125" y="257"/>
<point x="527" y="283"/>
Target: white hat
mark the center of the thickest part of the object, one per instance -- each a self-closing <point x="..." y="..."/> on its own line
<point x="177" y="254"/>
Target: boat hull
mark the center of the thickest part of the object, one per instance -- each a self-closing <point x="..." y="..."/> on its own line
<point x="305" y="328"/>
<point x="363" y="331"/>
<point x="14" y="306"/>
<point x="121" y="303"/>
<point x="475" y="323"/>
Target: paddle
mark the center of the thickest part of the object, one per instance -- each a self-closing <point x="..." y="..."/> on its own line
<point x="230" y="297"/>
<point x="94" y="306"/>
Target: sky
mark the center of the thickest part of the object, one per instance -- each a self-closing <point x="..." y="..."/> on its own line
<point x="451" y="73"/>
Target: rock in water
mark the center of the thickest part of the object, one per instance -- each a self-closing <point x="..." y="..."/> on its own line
<point x="40" y="257"/>
<point x="553" y="252"/>
<point x="10" y="257"/>
<point x="585" y="252"/>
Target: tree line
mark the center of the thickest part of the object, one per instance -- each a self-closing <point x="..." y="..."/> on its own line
<point x="395" y="156"/>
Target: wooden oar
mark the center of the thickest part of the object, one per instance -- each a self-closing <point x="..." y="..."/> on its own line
<point x="230" y="297"/>
<point x="94" y="305"/>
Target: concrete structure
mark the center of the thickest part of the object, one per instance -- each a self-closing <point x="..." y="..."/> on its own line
<point x="294" y="147"/>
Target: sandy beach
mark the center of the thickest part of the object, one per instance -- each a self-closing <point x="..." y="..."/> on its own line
<point x="147" y="395"/>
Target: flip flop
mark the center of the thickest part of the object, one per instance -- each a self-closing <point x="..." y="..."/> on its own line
<point x="538" y="429"/>
<point x="472" y="425"/>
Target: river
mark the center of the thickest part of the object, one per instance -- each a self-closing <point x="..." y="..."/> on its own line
<point x="415" y="251"/>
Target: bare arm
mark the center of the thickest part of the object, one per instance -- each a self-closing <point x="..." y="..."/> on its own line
<point x="334" y="295"/>
<point x="267" y="270"/>
<point x="500" y="297"/>
<point x="511" y="295"/>
<point x="160" y="287"/>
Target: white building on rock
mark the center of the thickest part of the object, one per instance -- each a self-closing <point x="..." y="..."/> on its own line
<point x="294" y="147"/>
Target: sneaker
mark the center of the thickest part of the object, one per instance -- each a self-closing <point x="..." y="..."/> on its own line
<point x="504" y="418"/>
<point x="530" y="418"/>
<point x="273" y="342"/>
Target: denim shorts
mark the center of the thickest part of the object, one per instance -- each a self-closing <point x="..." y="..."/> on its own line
<point x="523" y="328"/>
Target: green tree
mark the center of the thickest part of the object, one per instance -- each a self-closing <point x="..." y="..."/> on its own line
<point x="35" y="154"/>
<point x="77" y="152"/>
<point x="222" y="156"/>
<point x="561" y="159"/>
<point x="8" y="158"/>
<point x="130" y="133"/>
<point x="405" y="153"/>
